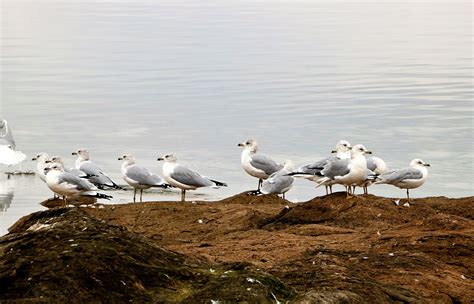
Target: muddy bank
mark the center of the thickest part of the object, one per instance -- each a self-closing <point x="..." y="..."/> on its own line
<point x="329" y="249"/>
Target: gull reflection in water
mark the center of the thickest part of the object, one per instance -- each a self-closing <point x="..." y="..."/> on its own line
<point x="7" y="189"/>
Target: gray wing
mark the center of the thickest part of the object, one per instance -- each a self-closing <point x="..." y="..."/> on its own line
<point x="98" y="177"/>
<point x="79" y="183"/>
<point x="316" y="167"/>
<point x="6" y="136"/>
<point x="277" y="183"/>
<point x="75" y="171"/>
<point x="143" y="176"/>
<point x="401" y="175"/>
<point x="265" y="163"/>
<point x="371" y="163"/>
<point x="338" y="167"/>
<point x="190" y="177"/>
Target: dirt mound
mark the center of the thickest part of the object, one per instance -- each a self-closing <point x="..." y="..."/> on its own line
<point x="64" y="255"/>
<point x="368" y="211"/>
<point x="329" y="249"/>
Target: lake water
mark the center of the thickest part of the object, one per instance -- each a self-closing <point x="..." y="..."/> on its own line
<point x="197" y="77"/>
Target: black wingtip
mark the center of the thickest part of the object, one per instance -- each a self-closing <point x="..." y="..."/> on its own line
<point x="219" y="184"/>
<point x="103" y="196"/>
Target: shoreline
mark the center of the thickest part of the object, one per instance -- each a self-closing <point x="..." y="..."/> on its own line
<point x="328" y="248"/>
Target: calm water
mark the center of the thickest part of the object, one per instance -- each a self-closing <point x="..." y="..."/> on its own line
<point x="197" y="77"/>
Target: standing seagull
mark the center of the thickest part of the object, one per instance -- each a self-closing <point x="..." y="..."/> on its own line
<point x="97" y="176"/>
<point x="68" y="185"/>
<point x="279" y="182"/>
<point x="139" y="177"/>
<point x="257" y="165"/>
<point x="347" y="172"/>
<point x="311" y="171"/>
<point x="183" y="177"/>
<point x="406" y="178"/>
<point x="43" y="162"/>
<point x="8" y="155"/>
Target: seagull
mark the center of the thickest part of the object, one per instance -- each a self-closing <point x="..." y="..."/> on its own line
<point x="43" y="162"/>
<point x="68" y="185"/>
<point x="74" y="171"/>
<point x="97" y="176"/>
<point x="257" y="165"/>
<point x="347" y="172"/>
<point x="8" y="155"/>
<point x="375" y="167"/>
<point x="310" y="171"/>
<point x="407" y="178"/>
<point x="279" y="182"/>
<point x="139" y="177"/>
<point x="183" y="177"/>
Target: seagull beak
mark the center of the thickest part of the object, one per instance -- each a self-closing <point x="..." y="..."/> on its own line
<point x="427" y="165"/>
<point x="368" y="152"/>
<point x="240" y="145"/>
<point x="48" y="161"/>
<point x="333" y="151"/>
<point x="120" y="158"/>
<point x="160" y="159"/>
<point x="74" y="153"/>
<point x="34" y="158"/>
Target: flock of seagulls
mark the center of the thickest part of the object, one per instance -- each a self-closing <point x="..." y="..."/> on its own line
<point x="349" y="166"/>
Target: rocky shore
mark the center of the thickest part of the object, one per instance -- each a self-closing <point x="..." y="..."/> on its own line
<point x="244" y="249"/>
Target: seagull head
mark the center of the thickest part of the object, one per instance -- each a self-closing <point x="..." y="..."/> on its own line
<point x="342" y="146"/>
<point x="57" y="159"/>
<point x="82" y="153"/>
<point x="55" y="167"/>
<point x="168" y="158"/>
<point x="128" y="158"/>
<point x="41" y="157"/>
<point x="418" y="163"/>
<point x="360" y="150"/>
<point x="249" y="144"/>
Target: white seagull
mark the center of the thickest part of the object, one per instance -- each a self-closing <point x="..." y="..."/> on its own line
<point x="257" y="165"/>
<point x="185" y="178"/>
<point x="43" y="162"/>
<point x="139" y="177"/>
<point x="311" y="171"/>
<point x="95" y="173"/>
<point x="8" y="155"/>
<point x="347" y="172"/>
<point x="279" y="182"/>
<point x="68" y="185"/>
<point x="407" y="178"/>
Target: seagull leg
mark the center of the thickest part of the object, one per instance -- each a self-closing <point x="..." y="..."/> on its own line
<point x="353" y="189"/>
<point x="408" y="195"/>
<point x="283" y="195"/>
<point x="327" y="189"/>
<point x="134" y="194"/>
<point x="183" y="195"/>
<point x="330" y="189"/>
<point x="260" y="182"/>
<point x="141" y="194"/>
